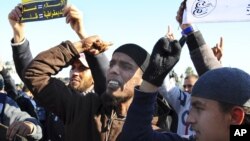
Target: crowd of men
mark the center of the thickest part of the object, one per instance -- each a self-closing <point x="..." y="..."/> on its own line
<point x="128" y="98"/>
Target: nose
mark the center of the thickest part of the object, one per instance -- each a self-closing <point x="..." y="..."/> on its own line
<point x="186" y="89"/>
<point x="114" y="69"/>
<point x="74" y="72"/>
<point x="190" y="118"/>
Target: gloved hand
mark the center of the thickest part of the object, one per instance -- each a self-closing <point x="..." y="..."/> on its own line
<point x="164" y="56"/>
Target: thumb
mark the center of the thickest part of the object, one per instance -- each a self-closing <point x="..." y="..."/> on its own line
<point x="176" y="47"/>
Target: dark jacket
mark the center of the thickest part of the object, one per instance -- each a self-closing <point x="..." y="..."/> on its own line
<point x="22" y="57"/>
<point x="86" y="118"/>
<point x="138" y="123"/>
<point x="137" y="126"/>
<point x="52" y="129"/>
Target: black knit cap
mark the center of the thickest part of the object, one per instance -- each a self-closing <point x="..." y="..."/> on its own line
<point x="137" y="53"/>
<point x="229" y="85"/>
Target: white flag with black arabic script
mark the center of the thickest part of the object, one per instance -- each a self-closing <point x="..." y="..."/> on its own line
<point x="198" y="11"/>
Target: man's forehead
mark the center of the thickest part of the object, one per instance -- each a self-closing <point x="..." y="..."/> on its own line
<point x="199" y="101"/>
<point x="122" y="57"/>
<point x="190" y="80"/>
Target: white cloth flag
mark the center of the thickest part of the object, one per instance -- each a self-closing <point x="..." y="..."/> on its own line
<point x="198" y="11"/>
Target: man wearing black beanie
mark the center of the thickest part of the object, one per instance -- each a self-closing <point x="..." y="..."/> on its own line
<point x="137" y="53"/>
<point x="94" y="117"/>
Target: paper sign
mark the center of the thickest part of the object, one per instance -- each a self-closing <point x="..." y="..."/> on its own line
<point x="198" y="11"/>
<point x="38" y="10"/>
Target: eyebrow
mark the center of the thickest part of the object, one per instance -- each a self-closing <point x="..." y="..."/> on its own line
<point x="198" y="103"/>
<point x="126" y="63"/>
<point x="122" y="62"/>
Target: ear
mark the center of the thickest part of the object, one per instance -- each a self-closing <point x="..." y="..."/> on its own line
<point x="238" y="115"/>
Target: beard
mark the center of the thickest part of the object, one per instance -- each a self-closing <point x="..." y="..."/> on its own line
<point x="113" y="101"/>
<point x="80" y="88"/>
<point x="77" y="88"/>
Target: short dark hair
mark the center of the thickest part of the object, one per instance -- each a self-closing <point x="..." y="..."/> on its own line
<point x="226" y="107"/>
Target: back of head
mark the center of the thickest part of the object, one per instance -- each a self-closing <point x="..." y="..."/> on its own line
<point x="137" y="53"/>
<point x="229" y="85"/>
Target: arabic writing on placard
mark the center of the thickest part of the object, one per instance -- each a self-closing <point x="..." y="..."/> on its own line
<point x="198" y="11"/>
<point x="248" y="9"/>
<point x="38" y="10"/>
<point x="202" y="8"/>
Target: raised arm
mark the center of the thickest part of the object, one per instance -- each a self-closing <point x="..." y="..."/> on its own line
<point x="38" y="75"/>
<point x="137" y="127"/>
<point x="20" y="45"/>
<point x="201" y="54"/>
<point x="218" y="50"/>
<point x="97" y="63"/>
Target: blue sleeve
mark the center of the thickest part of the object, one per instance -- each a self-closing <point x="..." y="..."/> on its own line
<point x="13" y="113"/>
<point x="138" y="127"/>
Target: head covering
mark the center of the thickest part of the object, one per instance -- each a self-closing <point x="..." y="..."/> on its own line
<point x="229" y="85"/>
<point x="137" y="53"/>
<point x="1" y="82"/>
<point x="83" y="60"/>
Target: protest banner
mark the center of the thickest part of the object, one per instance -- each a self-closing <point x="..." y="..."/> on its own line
<point x="198" y="11"/>
<point x="38" y="10"/>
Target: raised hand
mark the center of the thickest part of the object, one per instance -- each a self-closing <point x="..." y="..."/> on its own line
<point x="218" y="49"/>
<point x="164" y="56"/>
<point x="18" y="28"/>
<point x="75" y="18"/>
<point x="170" y="34"/>
<point x="94" y="45"/>
<point x="179" y="15"/>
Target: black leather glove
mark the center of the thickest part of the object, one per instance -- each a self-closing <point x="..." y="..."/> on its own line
<point x="164" y="56"/>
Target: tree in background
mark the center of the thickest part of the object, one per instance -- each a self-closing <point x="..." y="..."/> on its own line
<point x="189" y="70"/>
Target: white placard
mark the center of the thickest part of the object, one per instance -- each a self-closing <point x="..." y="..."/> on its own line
<point x="198" y="11"/>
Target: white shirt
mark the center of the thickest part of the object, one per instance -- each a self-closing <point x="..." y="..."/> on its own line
<point x="180" y="101"/>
